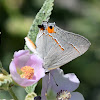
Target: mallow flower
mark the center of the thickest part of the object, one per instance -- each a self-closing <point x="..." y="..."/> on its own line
<point x="26" y="69"/>
<point x="62" y="86"/>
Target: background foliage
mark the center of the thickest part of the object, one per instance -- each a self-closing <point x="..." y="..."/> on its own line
<point x="79" y="16"/>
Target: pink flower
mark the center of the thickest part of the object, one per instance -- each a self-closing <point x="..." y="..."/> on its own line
<point x="26" y="69"/>
<point x="62" y="86"/>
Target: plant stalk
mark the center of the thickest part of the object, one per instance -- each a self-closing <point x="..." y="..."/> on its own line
<point x="12" y="94"/>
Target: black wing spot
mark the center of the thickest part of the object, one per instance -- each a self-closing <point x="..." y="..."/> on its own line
<point x="50" y="27"/>
<point x="41" y="27"/>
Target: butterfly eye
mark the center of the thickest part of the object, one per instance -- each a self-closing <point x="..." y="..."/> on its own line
<point x="50" y="27"/>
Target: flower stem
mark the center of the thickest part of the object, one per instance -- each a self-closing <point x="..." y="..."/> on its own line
<point x="12" y="94"/>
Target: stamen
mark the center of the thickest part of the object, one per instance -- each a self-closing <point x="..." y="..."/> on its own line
<point x="27" y="72"/>
<point x="63" y="95"/>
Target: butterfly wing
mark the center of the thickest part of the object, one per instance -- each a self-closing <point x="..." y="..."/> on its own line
<point x="44" y="44"/>
<point x="80" y="43"/>
<point x="74" y="45"/>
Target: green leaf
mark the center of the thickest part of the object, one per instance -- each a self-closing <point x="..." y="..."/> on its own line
<point x="30" y="89"/>
<point x="42" y="15"/>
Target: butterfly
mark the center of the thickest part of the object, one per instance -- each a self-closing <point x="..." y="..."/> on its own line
<point x="56" y="46"/>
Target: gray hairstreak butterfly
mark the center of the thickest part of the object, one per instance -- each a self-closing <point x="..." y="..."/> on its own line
<point x="57" y="46"/>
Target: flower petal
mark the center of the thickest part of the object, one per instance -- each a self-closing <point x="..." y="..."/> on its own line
<point x="45" y="85"/>
<point x="40" y="73"/>
<point x="76" y="96"/>
<point x="34" y="61"/>
<point x="16" y="77"/>
<point x="57" y="81"/>
<point x="60" y="81"/>
<point x="21" y="56"/>
<point x="21" y="52"/>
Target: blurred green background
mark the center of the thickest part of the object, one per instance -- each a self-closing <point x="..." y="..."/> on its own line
<point x="78" y="16"/>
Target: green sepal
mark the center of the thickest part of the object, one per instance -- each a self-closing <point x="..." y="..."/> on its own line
<point x="30" y="89"/>
<point x="30" y="96"/>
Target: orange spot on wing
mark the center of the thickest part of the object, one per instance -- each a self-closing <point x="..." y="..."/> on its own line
<point x="31" y="42"/>
<point x="61" y="47"/>
<point x="57" y="42"/>
<point x="42" y="28"/>
<point x="74" y="48"/>
<point x="50" y="36"/>
<point x="50" y="30"/>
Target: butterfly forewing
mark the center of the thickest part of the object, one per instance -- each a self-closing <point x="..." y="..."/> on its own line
<point x="73" y="44"/>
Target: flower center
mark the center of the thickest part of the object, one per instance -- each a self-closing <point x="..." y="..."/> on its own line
<point x="63" y="95"/>
<point x="27" y="72"/>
